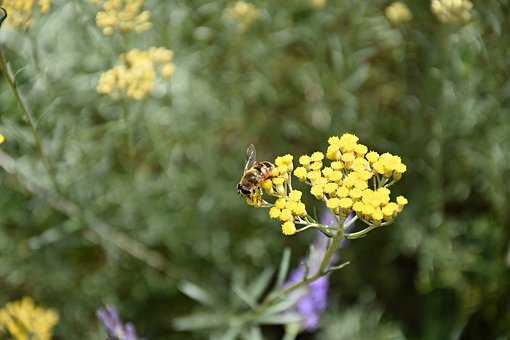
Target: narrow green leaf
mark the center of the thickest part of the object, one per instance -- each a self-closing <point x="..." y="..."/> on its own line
<point x="284" y="268"/>
<point x="281" y="319"/>
<point x="285" y="304"/>
<point x="244" y="296"/>
<point x="231" y="334"/>
<point x="200" y="321"/>
<point x="196" y="293"/>
<point x="253" y="333"/>
<point x="260" y="284"/>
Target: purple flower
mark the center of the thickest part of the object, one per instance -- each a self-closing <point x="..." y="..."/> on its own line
<point x="110" y="319"/>
<point x="314" y="297"/>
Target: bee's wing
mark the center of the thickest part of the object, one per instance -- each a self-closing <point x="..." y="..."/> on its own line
<point x="3" y="15"/>
<point x="251" y="155"/>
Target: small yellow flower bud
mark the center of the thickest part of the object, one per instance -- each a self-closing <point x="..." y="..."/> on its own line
<point x="372" y="156"/>
<point x="278" y="180"/>
<point x="401" y="200"/>
<point x="377" y="214"/>
<point x="355" y="193"/>
<point x="335" y="176"/>
<point x="317" y="156"/>
<point x="305" y="160"/>
<point x="343" y="191"/>
<point x="348" y="157"/>
<point x="360" y="150"/>
<point x="280" y="203"/>
<point x="317" y="191"/>
<point x="313" y="175"/>
<point x="358" y="207"/>
<point x="345" y="203"/>
<point x="295" y="195"/>
<point x="291" y="205"/>
<point x="330" y="187"/>
<point x="333" y="203"/>
<point x="167" y="70"/>
<point x="326" y="172"/>
<point x="300" y="173"/>
<point x="334" y="141"/>
<point x="267" y="185"/>
<point x="285" y="215"/>
<point x="288" y="228"/>
<point x="300" y="209"/>
<point x="274" y="212"/>
<point x="337" y="165"/>
<point x="315" y="166"/>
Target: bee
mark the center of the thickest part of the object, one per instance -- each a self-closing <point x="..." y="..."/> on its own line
<point x="3" y="15"/>
<point x="254" y="174"/>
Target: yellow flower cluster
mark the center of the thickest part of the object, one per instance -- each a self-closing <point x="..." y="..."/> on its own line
<point x="275" y="185"/>
<point x="122" y="15"/>
<point x="287" y="209"/>
<point x="136" y="76"/>
<point x="23" y="320"/>
<point x="452" y="11"/>
<point x="20" y="12"/>
<point x="398" y="13"/>
<point x="345" y="184"/>
<point x="244" y="13"/>
<point x="318" y="3"/>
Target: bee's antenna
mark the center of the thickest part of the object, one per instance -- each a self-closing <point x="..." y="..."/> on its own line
<point x="3" y="15"/>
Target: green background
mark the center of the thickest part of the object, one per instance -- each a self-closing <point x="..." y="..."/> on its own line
<point x="131" y="227"/>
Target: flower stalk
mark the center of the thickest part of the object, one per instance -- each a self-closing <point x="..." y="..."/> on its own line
<point x="11" y="81"/>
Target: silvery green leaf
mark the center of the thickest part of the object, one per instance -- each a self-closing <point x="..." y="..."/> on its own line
<point x="196" y="293"/>
<point x="256" y="289"/>
<point x="281" y="319"/>
<point x="285" y="304"/>
<point x="231" y="334"/>
<point x="244" y="296"/>
<point x="284" y="267"/>
<point x="253" y="333"/>
<point x="200" y="321"/>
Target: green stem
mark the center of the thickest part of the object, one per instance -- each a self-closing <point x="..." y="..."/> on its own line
<point x="291" y="331"/>
<point x="361" y="233"/>
<point x="129" y="130"/>
<point x="9" y="77"/>
<point x="323" y="269"/>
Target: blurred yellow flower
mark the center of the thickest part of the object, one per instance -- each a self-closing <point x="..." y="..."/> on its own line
<point x="122" y="15"/>
<point x="318" y="3"/>
<point x="2" y="138"/>
<point x="136" y="76"/>
<point x="20" y="12"/>
<point x="398" y="13"/>
<point x="452" y="11"/>
<point x="244" y="13"/>
<point x="23" y="320"/>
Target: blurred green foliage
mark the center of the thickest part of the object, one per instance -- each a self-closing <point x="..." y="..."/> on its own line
<point x="129" y="227"/>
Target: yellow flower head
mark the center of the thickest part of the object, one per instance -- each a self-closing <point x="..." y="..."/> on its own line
<point x="398" y="13"/>
<point x="24" y="320"/>
<point x="452" y="11"/>
<point x="136" y="76"/>
<point x="348" y="178"/>
<point x="122" y="16"/>
<point x="2" y="138"/>
<point x="244" y="13"/>
<point x="288" y="228"/>
<point x="20" y="12"/>
<point x="318" y="3"/>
